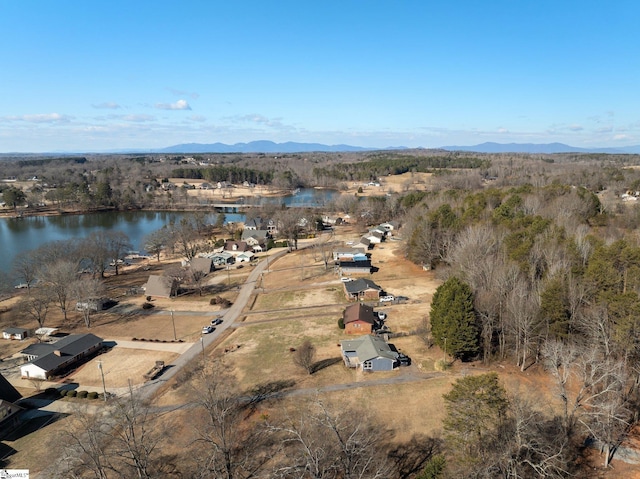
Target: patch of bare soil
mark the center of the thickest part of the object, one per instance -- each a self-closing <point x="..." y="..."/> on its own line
<point x="120" y="366"/>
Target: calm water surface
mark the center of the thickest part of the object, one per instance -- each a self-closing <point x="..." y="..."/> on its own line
<point x="24" y="234"/>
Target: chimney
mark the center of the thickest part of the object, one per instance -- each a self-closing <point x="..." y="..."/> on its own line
<point x="57" y="352"/>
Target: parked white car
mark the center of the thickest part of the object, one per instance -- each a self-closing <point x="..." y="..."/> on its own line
<point x="387" y="299"/>
<point x="345" y="279"/>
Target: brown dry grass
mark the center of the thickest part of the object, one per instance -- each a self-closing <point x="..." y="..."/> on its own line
<point x="120" y="367"/>
<point x="390" y="184"/>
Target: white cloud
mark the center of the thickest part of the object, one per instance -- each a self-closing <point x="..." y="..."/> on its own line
<point x="576" y="128"/>
<point x="503" y="130"/>
<point x="137" y="118"/>
<point x="109" y="105"/>
<point x="198" y="118"/>
<point x="179" y="105"/>
<point x="40" y="118"/>
<point x="256" y="118"/>
<point x="193" y="95"/>
<point x="620" y="137"/>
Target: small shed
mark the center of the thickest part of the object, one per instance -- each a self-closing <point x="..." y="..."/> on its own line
<point x="15" y="333"/>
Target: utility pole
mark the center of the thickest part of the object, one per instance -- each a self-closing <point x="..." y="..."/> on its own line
<point x="175" y="337"/>
<point x="202" y="344"/>
<point x="104" y="387"/>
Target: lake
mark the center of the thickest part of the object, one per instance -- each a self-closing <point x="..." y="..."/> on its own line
<point x="18" y="235"/>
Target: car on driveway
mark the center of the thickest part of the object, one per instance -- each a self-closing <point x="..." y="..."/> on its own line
<point x="382" y="316"/>
<point x="345" y="279"/>
<point x="208" y="329"/>
<point x="386" y="299"/>
<point x="216" y="321"/>
<point x="404" y="360"/>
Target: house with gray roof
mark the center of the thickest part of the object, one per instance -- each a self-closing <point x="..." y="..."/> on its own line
<point x="369" y="353"/>
<point x="202" y="265"/>
<point x="50" y="359"/>
<point x="223" y="258"/>
<point x="355" y="267"/>
<point x="15" y="333"/>
<point x="362" y="289"/>
<point x="161" y="286"/>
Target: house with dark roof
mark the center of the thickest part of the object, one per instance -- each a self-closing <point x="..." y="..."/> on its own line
<point x="362" y="289"/>
<point x="359" y="319"/>
<point x="50" y="359"/>
<point x="9" y="411"/>
<point x="369" y="353"/>
<point x="15" y="333"/>
<point x="7" y="391"/>
<point x="235" y="247"/>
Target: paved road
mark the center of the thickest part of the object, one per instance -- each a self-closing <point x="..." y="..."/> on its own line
<point x="150" y="388"/>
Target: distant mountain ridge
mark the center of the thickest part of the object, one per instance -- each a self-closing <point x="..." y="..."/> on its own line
<point x="266" y="146"/>
<point x="548" y="148"/>
<point x="261" y="146"/>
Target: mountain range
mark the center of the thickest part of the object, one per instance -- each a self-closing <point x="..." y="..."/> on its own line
<point x="490" y="147"/>
<point x="262" y="146"/>
<point x="265" y="146"/>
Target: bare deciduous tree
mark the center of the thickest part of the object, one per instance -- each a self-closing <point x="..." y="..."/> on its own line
<point x="592" y="389"/>
<point x="59" y="279"/>
<point x="37" y="305"/>
<point x="233" y="444"/>
<point x="85" y="441"/>
<point x="25" y="269"/>
<point x="89" y="293"/>
<point x="322" y="443"/>
<point x="305" y="356"/>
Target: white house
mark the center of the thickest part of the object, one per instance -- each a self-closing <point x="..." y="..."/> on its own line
<point x="244" y="257"/>
<point x="49" y="359"/>
<point x="15" y="333"/>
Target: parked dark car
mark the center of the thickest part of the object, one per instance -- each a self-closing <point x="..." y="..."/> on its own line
<point x="216" y="321"/>
<point x="404" y="360"/>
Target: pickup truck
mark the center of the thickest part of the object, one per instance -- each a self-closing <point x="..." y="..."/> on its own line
<point x="155" y="371"/>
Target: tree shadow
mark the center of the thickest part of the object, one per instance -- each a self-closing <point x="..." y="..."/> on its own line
<point x="266" y="391"/>
<point x="325" y="363"/>
<point x="32" y="421"/>
<point x="411" y="457"/>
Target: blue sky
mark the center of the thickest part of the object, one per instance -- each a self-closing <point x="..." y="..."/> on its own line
<point x="98" y="75"/>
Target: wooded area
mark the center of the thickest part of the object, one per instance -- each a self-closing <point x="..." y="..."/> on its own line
<point x="540" y="261"/>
